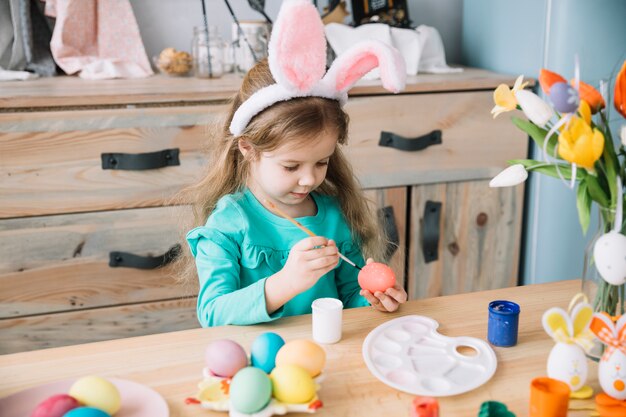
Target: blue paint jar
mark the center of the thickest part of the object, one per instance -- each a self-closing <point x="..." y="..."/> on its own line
<point x="503" y="323"/>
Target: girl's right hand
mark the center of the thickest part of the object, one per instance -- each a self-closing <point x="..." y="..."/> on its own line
<point x="308" y="261"/>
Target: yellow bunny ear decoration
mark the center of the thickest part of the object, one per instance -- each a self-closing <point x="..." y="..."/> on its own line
<point x="581" y="318"/>
<point x="557" y="323"/>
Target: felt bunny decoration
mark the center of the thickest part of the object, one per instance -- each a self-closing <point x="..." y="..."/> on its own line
<point x="297" y="61"/>
<point x="612" y="368"/>
<point x="570" y="331"/>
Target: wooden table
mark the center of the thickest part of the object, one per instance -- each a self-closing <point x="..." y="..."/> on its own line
<point x="171" y="363"/>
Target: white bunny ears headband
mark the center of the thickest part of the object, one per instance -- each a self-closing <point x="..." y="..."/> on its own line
<point x="297" y="61"/>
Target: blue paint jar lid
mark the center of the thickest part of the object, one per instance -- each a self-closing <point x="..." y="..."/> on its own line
<point x="504" y="307"/>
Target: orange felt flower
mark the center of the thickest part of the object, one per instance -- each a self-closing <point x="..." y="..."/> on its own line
<point x="547" y="78"/>
<point x="609" y="406"/>
<point x="590" y="95"/>
<point x="620" y="91"/>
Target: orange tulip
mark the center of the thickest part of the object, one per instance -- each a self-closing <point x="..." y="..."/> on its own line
<point x="620" y="91"/>
<point x="590" y="95"/>
<point x="547" y="78"/>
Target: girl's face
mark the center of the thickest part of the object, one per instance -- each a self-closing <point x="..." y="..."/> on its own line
<point x="289" y="173"/>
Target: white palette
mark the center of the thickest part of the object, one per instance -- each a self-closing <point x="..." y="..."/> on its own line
<point x="409" y="354"/>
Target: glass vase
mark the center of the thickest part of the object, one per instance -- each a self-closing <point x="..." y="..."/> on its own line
<point x="604" y="297"/>
<point x="209" y="52"/>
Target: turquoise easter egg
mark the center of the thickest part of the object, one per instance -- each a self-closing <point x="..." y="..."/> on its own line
<point x="264" y="349"/>
<point x="250" y="390"/>
<point x="86" y="412"/>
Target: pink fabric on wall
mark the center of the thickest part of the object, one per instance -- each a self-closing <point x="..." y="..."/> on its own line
<point x="98" y="39"/>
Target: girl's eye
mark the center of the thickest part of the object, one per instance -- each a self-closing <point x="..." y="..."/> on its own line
<point x="290" y="169"/>
<point x="322" y="164"/>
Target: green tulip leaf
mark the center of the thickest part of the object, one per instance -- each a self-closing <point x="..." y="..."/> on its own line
<point x="596" y="192"/>
<point x="537" y="134"/>
<point x="583" y="203"/>
<point x="549" y="169"/>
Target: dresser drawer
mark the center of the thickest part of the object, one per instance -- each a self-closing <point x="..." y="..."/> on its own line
<point x="474" y="146"/>
<point x="60" y="263"/>
<point x="74" y="327"/>
<point x="64" y="165"/>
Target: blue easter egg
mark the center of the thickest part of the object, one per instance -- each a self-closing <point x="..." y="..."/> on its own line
<point x="564" y="97"/>
<point x="264" y="350"/>
<point x="86" y="412"/>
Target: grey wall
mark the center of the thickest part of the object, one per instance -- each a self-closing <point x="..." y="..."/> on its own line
<point x="169" y="23"/>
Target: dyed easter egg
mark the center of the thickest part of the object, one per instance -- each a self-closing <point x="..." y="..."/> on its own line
<point x="94" y="391"/>
<point x="564" y="97"/>
<point x="86" y="412"/>
<point x="304" y="353"/>
<point x="609" y="253"/>
<point x="225" y="357"/>
<point x="376" y="277"/>
<point x="292" y="384"/>
<point x="55" y="406"/>
<point x="264" y="350"/>
<point x="250" y="390"/>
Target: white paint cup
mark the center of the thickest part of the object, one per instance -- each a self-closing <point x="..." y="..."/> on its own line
<point x="327" y="316"/>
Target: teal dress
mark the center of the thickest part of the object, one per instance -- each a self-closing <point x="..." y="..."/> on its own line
<point x="242" y="244"/>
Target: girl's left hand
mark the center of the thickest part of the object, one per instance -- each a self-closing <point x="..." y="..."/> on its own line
<point x="389" y="300"/>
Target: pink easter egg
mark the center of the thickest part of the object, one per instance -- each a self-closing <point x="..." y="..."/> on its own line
<point x="225" y="357"/>
<point x="376" y="277"/>
<point x="55" y="406"/>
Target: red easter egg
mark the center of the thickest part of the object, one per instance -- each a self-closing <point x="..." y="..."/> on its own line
<point x="376" y="277"/>
<point x="55" y="406"/>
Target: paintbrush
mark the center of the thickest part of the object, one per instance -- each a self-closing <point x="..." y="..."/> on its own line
<point x="304" y="229"/>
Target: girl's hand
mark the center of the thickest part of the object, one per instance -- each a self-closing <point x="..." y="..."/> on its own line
<point x="389" y="300"/>
<point x="309" y="260"/>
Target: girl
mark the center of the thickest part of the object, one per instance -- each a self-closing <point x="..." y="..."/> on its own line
<point x="281" y="145"/>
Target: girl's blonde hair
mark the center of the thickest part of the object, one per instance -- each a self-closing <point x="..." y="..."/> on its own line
<point x="300" y="119"/>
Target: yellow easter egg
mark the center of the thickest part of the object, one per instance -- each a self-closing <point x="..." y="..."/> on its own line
<point x="303" y="353"/>
<point x="94" y="391"/>
<point x="292" y="384"/>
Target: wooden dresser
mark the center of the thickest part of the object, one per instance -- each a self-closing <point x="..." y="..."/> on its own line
<point x="88" y="171"/>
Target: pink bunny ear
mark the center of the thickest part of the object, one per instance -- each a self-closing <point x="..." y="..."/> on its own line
<point x="353" y="64"/>
<point x="297" y="48"/>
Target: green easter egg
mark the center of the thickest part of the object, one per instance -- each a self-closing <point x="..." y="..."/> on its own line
<point x="250" y="390"/>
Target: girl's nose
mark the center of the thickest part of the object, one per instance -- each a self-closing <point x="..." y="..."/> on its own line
<point x="307" y="179"/>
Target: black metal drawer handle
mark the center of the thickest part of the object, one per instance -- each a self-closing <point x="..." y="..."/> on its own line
<point x="140" y="161"/>
<point x="391" y="231"/>
<point x="392" y="140"/>
<point x="130" y="260"/>
<point x="430" y="231"/>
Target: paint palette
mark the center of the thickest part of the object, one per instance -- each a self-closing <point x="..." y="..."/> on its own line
<point x="409" y="354"/>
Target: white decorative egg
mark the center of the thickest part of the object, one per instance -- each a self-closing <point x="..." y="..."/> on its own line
<point x="567" y="363"/>
<point x="612" y="375"/>
<point x="609" y="253"/>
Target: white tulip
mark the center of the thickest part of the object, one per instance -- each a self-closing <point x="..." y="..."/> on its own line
<point x="513" y="175"/>
<point x="536" y="109"/>
<point x="623" y="134"/>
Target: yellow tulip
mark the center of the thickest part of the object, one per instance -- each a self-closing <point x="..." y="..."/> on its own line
<point x="585" y="111"/>
<point x="580" y="144"/>
<point x="504" y="98"/>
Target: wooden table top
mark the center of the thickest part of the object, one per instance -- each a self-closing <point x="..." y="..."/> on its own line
<point x="64" y="91"/>
<point x="171" y="363"/>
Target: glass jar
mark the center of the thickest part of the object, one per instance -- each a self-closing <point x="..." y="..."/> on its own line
<point x="604" y="297"/>
<point x="249" y="44"/>
<point x="209" y="52"/>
